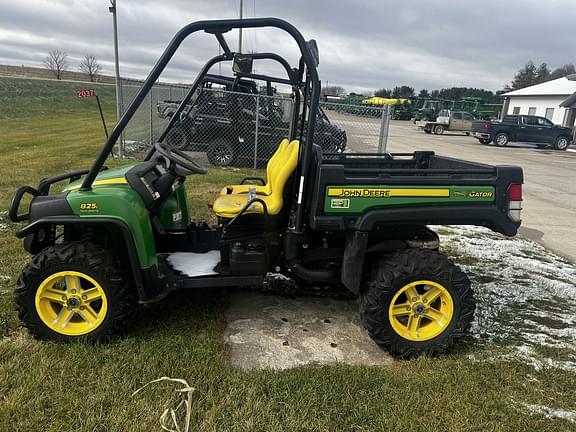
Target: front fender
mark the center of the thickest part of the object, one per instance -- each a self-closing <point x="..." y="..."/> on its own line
<point x="120" y="203"/>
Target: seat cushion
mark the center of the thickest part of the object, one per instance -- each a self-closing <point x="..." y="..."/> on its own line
<point x="243" y="189"/>
<point x="228" y="206"/>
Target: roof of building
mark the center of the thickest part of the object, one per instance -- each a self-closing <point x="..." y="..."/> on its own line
<point x="558" y="87"/>
<point x="570" y="102"/>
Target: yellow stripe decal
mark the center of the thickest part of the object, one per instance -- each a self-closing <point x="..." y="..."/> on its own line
<point x="103" y="182"/>
<point x="387" y="192"/>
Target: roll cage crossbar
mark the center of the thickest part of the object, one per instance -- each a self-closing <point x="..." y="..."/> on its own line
<point x="218" y="28"/>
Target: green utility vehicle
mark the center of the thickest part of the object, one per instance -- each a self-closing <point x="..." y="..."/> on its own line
<point x="116" y="238"/>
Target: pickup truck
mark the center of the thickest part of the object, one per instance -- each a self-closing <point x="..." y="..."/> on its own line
<point x="458" y="121"/>
<point x="523" y="128"/>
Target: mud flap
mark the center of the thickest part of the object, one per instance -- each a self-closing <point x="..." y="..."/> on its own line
<point x="353" y="261"/>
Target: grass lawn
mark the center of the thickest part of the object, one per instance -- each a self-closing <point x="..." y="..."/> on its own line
<point x="53" y="387"/>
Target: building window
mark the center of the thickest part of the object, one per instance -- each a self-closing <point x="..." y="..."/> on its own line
<point x="532" y="111"/>
<point x="516" y="111"/>
<point x="549" y="113"/>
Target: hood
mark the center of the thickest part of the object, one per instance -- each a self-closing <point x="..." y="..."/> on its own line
<point x="115" y="176"/>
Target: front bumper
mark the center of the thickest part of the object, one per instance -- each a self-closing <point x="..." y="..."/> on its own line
<point x="480" y="135"/>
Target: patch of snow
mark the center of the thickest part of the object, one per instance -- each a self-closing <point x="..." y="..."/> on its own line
<point x="548" y="412"/>
<point x="526" y="296"/>
<point x="195" y="264"/>
<point x="3" y="216"/>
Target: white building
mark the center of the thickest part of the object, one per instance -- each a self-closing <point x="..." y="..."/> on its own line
<point x="545" y="100"/>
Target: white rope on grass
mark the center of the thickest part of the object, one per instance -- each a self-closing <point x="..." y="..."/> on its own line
<point x="171" y="413"/>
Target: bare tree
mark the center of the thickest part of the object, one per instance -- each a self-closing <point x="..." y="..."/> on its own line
<point x="56" y="62"/>
<point x="90" y="66"/>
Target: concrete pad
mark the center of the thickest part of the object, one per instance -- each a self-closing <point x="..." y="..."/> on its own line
<point x="267" y="331"/>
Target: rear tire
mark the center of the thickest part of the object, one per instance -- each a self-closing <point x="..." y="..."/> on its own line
<point x="501" y="139"/>
<point x="438" y="130"/>
<point x="221" y="153"/>
<point x="561" y="143"/>
<point x="441" y="314"/>
<point x="485" y="141"/>
<point x="177" y="138"/>
<point x="75" y="291"/>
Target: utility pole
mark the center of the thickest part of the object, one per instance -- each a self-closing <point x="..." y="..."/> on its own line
<point x="112" y="10"/>
<point x="240" y="29"/>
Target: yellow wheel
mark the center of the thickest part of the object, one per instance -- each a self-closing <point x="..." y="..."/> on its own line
<point x="75" y="291"/>
<point x="421" y="310"/>
<point x="71" y="303"/>
<point x="416" y="302"/>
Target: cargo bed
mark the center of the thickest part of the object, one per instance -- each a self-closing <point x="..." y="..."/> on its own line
<point x="363" y="191"/>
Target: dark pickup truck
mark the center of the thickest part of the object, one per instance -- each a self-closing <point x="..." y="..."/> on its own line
<point x="522" y="128"/>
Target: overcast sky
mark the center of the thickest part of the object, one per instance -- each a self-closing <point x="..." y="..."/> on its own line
<point x="364" y="45"/>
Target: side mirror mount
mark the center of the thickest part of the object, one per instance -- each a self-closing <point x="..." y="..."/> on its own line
<point x="313" y="47"/>
<point x="242" y="64"/>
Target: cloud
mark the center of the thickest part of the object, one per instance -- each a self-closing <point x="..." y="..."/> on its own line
<point x="364" y="45"/>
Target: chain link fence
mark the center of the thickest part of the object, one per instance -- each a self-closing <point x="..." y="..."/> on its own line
<point x="366" y="126"/>
<point x="223" y="127"/>
<point x="229" y="128"/>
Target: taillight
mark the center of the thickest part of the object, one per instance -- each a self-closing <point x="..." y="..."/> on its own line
<point x="486" y="126"/>
<point x="514" y="201"/>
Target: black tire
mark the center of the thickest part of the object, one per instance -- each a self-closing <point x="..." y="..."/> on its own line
<point x="177" y="138"/>
<point x="438" y="130"/>
<point x="561" y="143"/>
<point x="91" y="260"/>
<point x="387" y="275"/>
<point x="221" y="153"/>
<point x="485" y="141"/>
<point x="501" y="139"/>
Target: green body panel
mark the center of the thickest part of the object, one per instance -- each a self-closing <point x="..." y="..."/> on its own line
<point x="174" y="211"/>
<point x="356" y="199"/>
<point x="117" y="201"/>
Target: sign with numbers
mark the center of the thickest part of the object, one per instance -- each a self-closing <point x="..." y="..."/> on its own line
<point x="83" y="93"/>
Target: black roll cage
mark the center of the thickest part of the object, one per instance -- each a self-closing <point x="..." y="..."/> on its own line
<point x="306" y="68"/>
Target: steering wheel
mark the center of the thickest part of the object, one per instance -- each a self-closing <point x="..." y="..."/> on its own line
<point x="180" y="160"/>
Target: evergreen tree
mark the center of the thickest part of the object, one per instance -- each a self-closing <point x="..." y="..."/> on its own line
<point x="525" y="77"/>
<point x="542" y="73"/>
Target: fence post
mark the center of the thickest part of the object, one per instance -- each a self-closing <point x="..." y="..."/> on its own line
<point x="384" y="126"/>
<point x="119" y="113"/>
<point x="256" y="130"/>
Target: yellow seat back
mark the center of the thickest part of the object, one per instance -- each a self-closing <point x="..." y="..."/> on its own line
<point x="279" y="175"/>
<point x="276" y="158"/>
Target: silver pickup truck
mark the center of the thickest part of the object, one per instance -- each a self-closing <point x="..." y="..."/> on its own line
<point x="447" y="120"/>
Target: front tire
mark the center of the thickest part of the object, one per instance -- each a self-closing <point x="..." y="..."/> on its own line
<point x="416" y="302"/>
<point x="75" y="291"/>
<point x="561" y="143"/>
